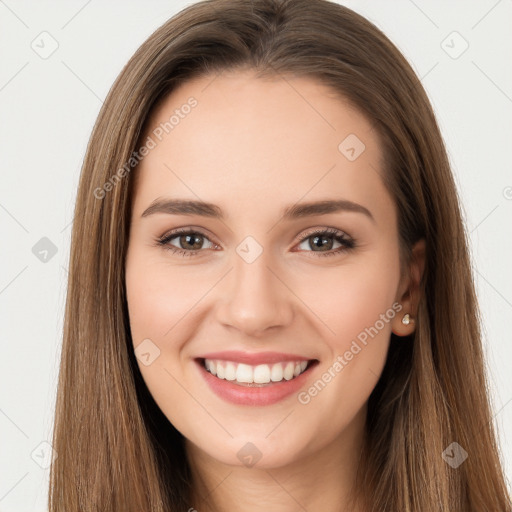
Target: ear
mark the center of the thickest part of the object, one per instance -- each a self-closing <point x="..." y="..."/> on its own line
<point x="409" y="292"/>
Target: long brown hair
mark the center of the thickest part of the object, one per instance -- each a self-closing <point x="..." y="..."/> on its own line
<point x="115" y="449"/>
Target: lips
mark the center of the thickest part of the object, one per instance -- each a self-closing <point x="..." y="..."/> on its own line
<point x="265" y="392"/>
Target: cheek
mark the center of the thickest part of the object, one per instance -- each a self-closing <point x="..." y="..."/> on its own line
<point x="358" y="306"/>
<point x="165" y="305"/>
<point x="157" y="298"/>
<point x="158" y="303"/>
<point x="352" y="299"/>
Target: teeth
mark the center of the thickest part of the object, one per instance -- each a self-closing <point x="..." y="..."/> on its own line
<point x="288" y="371"/>
<point x="230" y="373"/>
<point x="276" y="373"/>
<point x="243" y="373"/>
<point x="259" y="374"/>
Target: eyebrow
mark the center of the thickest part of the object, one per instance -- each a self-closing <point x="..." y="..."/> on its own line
<point x="296" y="211"/>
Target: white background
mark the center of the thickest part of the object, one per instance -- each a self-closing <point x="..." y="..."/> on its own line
<point x="47" y="110"/>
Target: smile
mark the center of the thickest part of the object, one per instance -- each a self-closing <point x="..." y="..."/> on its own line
<point x="246" y="375"/>
<point x="255" y="384"/>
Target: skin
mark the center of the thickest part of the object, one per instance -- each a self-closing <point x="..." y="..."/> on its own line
<point x="252" y="147"/>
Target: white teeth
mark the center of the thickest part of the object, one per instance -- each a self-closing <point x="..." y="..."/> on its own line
<point x="230" y="373"/>
<point x="243" y="373"/>
<point x="288" y="371"/>
<point x="259" y="374"/>
<point x="276" y="374"/>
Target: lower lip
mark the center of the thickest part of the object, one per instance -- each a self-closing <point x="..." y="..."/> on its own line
<point x="245" y="395"/>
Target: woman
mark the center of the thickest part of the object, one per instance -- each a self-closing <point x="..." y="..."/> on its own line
<point x="211" y="360"/>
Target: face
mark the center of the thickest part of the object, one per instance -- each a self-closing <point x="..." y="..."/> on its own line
<point x="256" y="285"/>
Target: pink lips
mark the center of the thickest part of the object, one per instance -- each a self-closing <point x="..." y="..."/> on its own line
<point x="267" y="394"/>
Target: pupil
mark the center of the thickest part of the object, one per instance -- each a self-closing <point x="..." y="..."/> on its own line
<point x="321" y="245"/>
<point x="190" y="239"/>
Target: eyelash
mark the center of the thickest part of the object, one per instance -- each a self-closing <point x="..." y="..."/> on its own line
<point x="341" y="237"/>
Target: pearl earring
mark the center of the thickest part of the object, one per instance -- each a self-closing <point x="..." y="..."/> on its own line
<point x="406" y="320"/>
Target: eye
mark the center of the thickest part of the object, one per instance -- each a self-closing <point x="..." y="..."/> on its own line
<point x="318" y="237"/>
<point x="190" y="242"/>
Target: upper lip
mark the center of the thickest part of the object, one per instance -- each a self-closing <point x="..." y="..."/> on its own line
<point x="254" y="358"/>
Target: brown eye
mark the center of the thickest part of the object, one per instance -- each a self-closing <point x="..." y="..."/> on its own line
<point x="191" y="241"/>
<point x="324" y="240"/>
<point x="184" y="242"/>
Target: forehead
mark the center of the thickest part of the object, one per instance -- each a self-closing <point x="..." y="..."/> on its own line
<point x="237" y="137"/>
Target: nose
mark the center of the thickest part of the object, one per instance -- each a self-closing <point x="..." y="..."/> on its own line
<point x="255" y="298"/>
